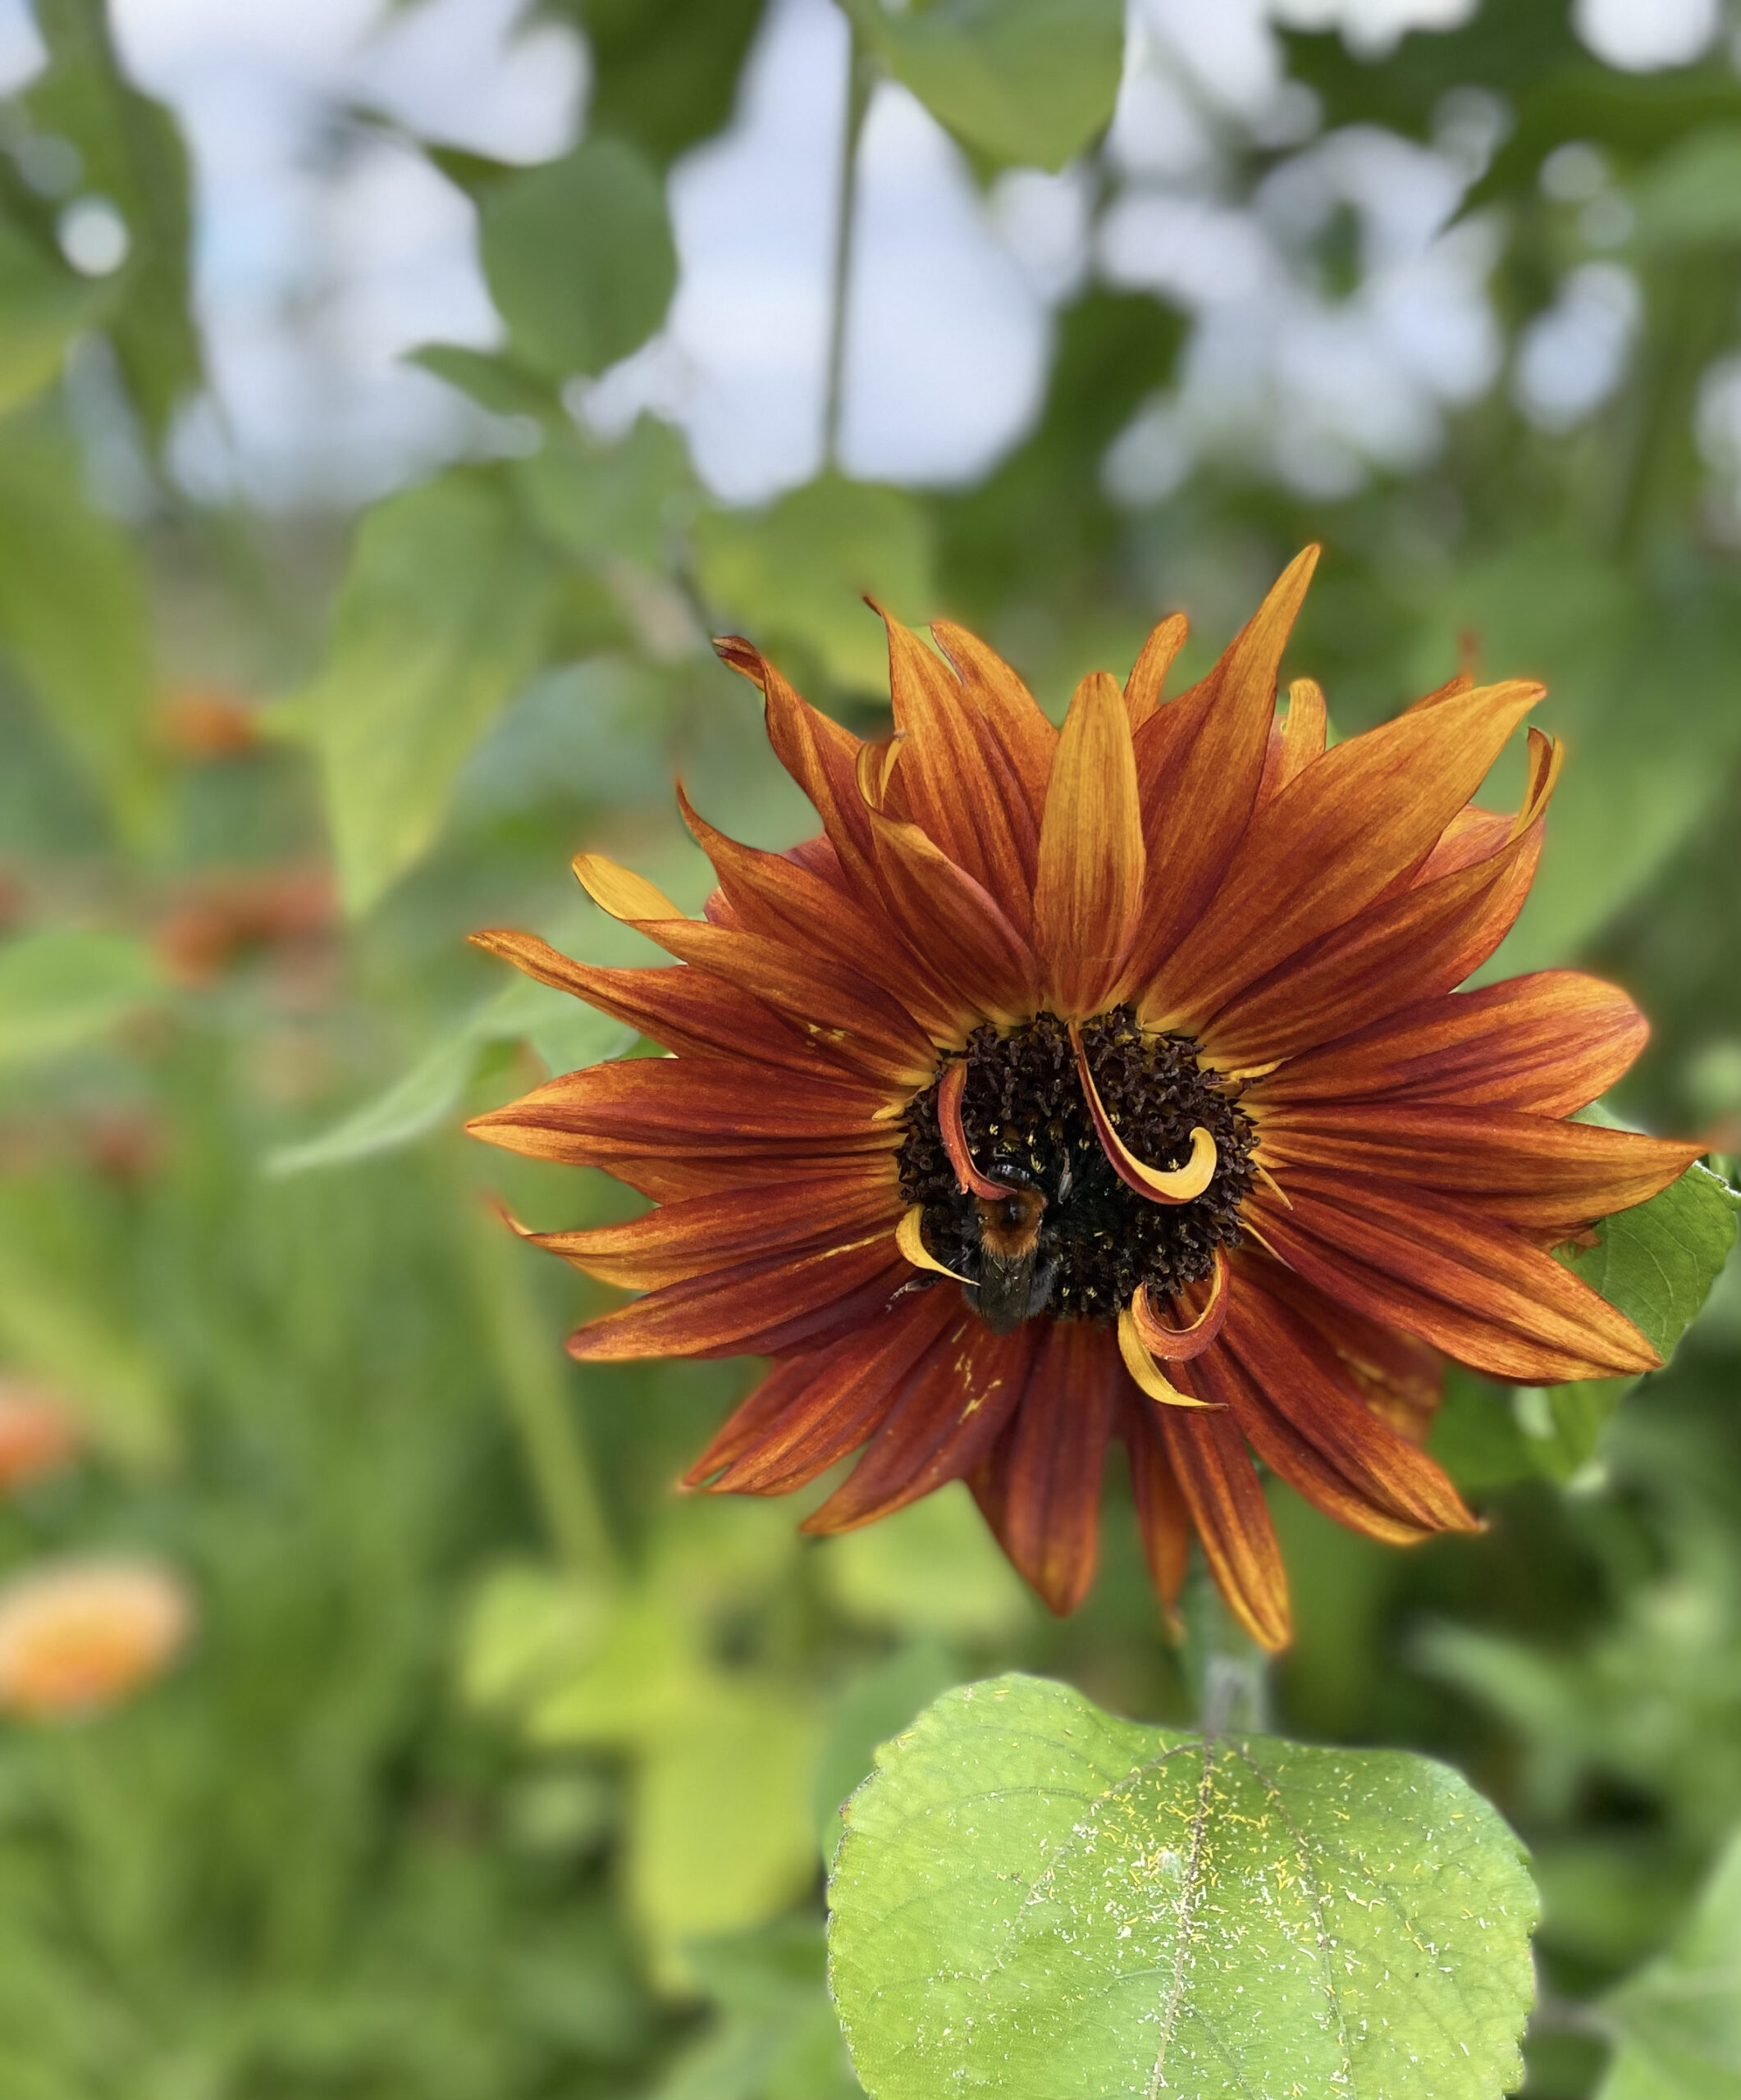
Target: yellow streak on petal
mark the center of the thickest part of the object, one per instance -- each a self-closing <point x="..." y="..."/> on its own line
<point x="1146" y="1371"/>
<point x="910" y="1241"/>
<point x="621" y="892"/>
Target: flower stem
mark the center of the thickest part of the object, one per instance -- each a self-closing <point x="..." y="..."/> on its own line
<point x="534" y="1387"/>
<point x="846" y="203"/>
<point x="1226" y="1669"/>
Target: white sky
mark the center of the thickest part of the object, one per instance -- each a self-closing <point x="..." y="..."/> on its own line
<point x="325" y="250"/>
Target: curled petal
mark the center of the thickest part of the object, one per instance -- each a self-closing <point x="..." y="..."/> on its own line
<point x="1178" y="1185"/>
<point x="1179" y="1344"/>
<point x="949" y="1091"/>
<point x="1139" y="1362"/>
<point x="910" y="1240"/>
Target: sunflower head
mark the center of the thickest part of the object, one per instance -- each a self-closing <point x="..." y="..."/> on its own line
<point x="1106" y="1085"/>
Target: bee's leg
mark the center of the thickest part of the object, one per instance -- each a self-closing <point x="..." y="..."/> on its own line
<point x="923" y="1281"/>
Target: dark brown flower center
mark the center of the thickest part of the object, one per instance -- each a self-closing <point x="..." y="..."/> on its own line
<point x="1027" y="1126"/>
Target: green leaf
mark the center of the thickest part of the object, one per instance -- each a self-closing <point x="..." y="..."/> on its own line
<point x="1679" y="2019"/>
<point x="579" y="257"/>
<point x="1646" y="693"/>
<point x="877" y="1704"/>
<point x="43" y="306"/>
<point x="563" y="1032"/>
<point x="664" y="71"/>
<point x="441" y="617"/>
<point x="774" y="2035"/>
<point x="493" y="381"/>
<point x="934" y="1567"/>
<point x="1035" y="1900"/>
<point x="73" y="615"/>
<point x="605" y="503"/>
<point x="132" y="154"/>
<point x="1691" y="196"/>
<point x="800" y="571"/>
<point x="60" y="989"/>
<point x="1026" y="81"/>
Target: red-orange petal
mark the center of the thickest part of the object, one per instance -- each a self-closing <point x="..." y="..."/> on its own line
<point x="1549" y="1044"/>
<point x="949" y="1412"/>
<point x="1531" y="1170"/>
<point x="1017" y="726"/>
<point x="757" y="1307"/>
<point x="1090" y="852"/>
<point x="1333" y="841"/>
<point x="1199" y="760"/>
<point x="1469" y="1283"/>
<point x="1162" y="1515"/>
<point x="943" y="912"/>
<point x="1143" y="688"/>
<point x="1207" y="1455"/>
<point x="1039" y="1485"/>
<point x="814" y="1407"/>
<point x="698" y="1235"/>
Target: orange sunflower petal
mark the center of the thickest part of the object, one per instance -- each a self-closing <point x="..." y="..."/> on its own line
<point x="1142" y="689"/>
<point x="1039" y="1485"/>
<point x="1445" y="1271"/>
<point x="1550" y="1044"/>
<point x="1091" y="853"/>
<point x="1018" y="728"/>
<point x="1162" y="1515"/>
<point x="1332" y="841"/>
<point x="950" y="1410"/>
<point x="1208" y="1458"/>
<point x="816" y="1406"/>
<point x="1200" y="761"/>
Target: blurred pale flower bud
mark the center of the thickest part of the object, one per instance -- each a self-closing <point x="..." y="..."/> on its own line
<point x="79" y="1635"/>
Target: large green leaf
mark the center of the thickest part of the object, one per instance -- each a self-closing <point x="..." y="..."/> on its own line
<point x="441" y="618"/>
<point x="73" y="613"/>
<point x="131" y="153"/>
<point x="1035" y="1900"/>
<point x="578" y="256"/>
<point x="62" y="988"/>
<point x="1026" y="81"/>
<point x="1679" y="2019"/>
<point x="800" y="569"/>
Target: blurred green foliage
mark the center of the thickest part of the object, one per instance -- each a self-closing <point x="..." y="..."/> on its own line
<point x="496" y="1769"/>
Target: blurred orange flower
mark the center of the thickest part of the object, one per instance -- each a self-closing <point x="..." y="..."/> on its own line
<point x="204" y="722"/>
<point x="79" y="1636"/>
<point x="38" y="1432"/>
<point x="226" y="916"/>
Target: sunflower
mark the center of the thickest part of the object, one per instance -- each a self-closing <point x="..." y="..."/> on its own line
<point x="1106" y="1083"/>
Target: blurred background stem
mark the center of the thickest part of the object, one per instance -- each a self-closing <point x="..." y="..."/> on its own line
<point x="1227" y="1671"/>
<point x="846" y="202"/>
<point x="534" y="1388"/>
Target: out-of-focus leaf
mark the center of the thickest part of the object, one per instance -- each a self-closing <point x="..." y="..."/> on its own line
<point x="934" y="1567"/>
<point x="563" y="1032"/>
<point x="132" y="155"/>
<point x="73" y="615"/>
<point x="493" y="381"/>
<point x="1679" y="2019"/>
<point x="606" y="503"/>
<point x="62" y="988"/>
<point x="1691" y="196"/>
<point x="1026" y="81"/>
<point x="664" y="71"/>
<point x="1658" y="1262"/>
<point x="875" y="1706"/>
<point x="1033" y="1898"/>
<point x="800" y="571"/>
<point x="527" y="1627"/>
<point x="1647" y="694"/>
<point x="43" y="305"/>
<point x="56" y="1324"/>
<point x="578" y="256"/>
<point x="441" y="617"/>
<point x="722" y="1834"/>
<point x="774" y="2035"/>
